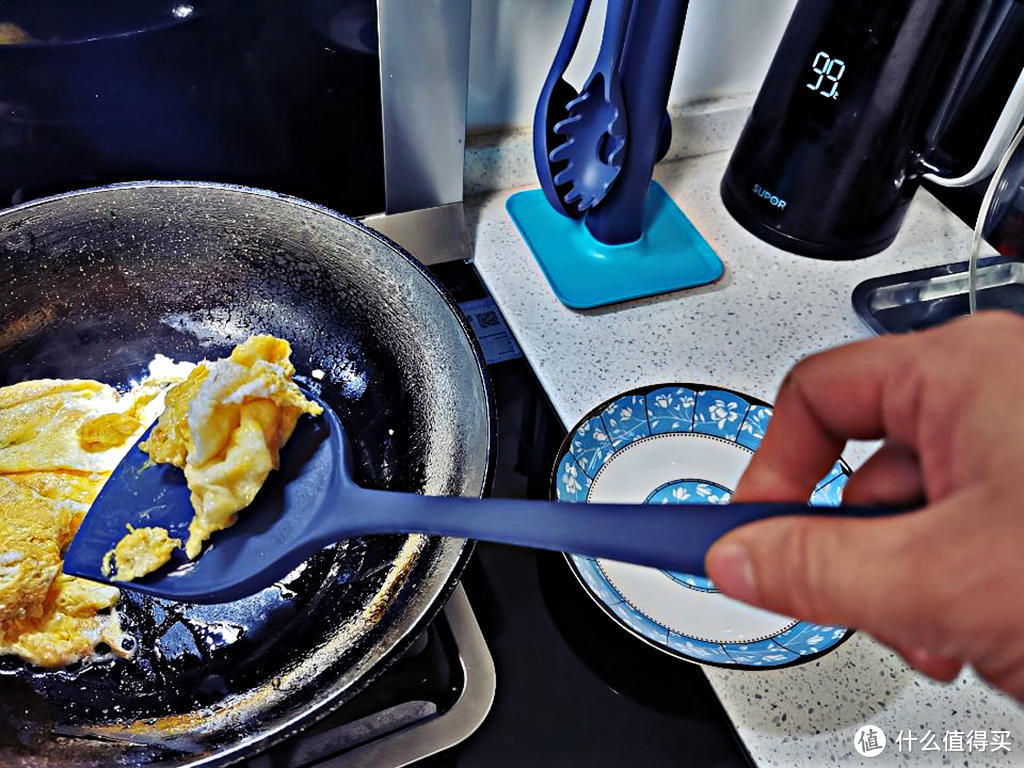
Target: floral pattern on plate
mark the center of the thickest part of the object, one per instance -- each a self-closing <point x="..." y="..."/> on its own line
<point x="591" y="446"/>
<point x="688" y="580"/>
<point x="639" y="623"/>
<point x="806" y="639"/>
<point x="587" y="568"/>
<point x="690" y="492"/>
<point x="670" y="410"/>
<point x="719" y="413"/>
<point x="754" y="425"/>
<point x="698" y="649"/>
<point x="572" y="481"/>
<point x="626" y="420"/>
<point x="678" y="409"/>
<point x="764" y="654"/>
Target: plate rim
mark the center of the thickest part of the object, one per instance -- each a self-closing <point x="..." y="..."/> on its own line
<point x="565" y="448"/>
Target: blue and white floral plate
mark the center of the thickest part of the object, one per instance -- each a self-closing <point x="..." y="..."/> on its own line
<point x="671" y="444"/>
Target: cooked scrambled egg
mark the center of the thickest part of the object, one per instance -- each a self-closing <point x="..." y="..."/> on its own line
<point x="12" y="34"/>
<point x="222" y="422"/>
<point x="224" y="426"/>
<point x="142" y="551"/>
<point x="59" y="441"/>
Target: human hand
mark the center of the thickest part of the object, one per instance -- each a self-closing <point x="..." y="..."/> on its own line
<point x="944" y="585"/>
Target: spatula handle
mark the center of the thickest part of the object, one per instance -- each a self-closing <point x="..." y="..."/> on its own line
<point x="674" y="537"/>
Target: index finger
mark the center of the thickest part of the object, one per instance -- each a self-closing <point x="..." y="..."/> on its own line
<point x="827" y="399"/>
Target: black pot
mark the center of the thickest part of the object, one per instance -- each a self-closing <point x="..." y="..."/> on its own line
<point x="105" y="59"/>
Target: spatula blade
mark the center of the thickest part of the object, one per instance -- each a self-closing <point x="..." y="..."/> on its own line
<point x="271" y="537"/>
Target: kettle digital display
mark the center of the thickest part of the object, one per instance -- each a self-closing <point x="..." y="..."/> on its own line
<point x="850" y="119"/>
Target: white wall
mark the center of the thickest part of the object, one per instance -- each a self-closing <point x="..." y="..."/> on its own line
<point x="727" y="46"/>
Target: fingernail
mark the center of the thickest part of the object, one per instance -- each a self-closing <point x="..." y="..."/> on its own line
<point x="729" y="566"/>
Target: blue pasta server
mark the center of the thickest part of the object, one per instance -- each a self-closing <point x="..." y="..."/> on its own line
<point x="601" y="230"/>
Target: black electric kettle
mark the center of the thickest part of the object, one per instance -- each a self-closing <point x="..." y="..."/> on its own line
<point x="859" y="108"/>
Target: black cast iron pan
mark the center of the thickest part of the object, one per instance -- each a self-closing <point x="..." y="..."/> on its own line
<point x="93" y="284"/>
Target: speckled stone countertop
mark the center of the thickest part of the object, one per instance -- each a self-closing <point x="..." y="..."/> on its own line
<point x="769" y="310"/>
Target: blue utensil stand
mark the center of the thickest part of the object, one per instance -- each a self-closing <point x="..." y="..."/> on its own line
<point x="585" y="273"/>
<point x="635" y="242"/>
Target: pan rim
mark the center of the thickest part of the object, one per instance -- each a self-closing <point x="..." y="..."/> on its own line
<point x="115" y="37"/>
<point x="312" y="713"/>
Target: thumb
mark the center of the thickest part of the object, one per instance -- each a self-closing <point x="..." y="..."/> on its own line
<point x="822" y="569"/>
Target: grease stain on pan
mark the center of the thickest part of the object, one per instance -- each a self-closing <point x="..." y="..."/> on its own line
<point x="218" y="326"/>
<point x="226" y="326"/>
<point x="29" y="324"/>
<point x="165" y="732"/>
<point x="395" y="579"/>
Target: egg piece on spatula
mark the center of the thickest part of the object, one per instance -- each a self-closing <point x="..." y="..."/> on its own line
<point x="223" y="428"/>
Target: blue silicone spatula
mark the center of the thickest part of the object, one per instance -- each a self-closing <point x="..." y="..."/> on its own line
<point x="312" y="501"/>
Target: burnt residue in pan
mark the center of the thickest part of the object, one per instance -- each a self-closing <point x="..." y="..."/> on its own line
<point x="187" y="657"/>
